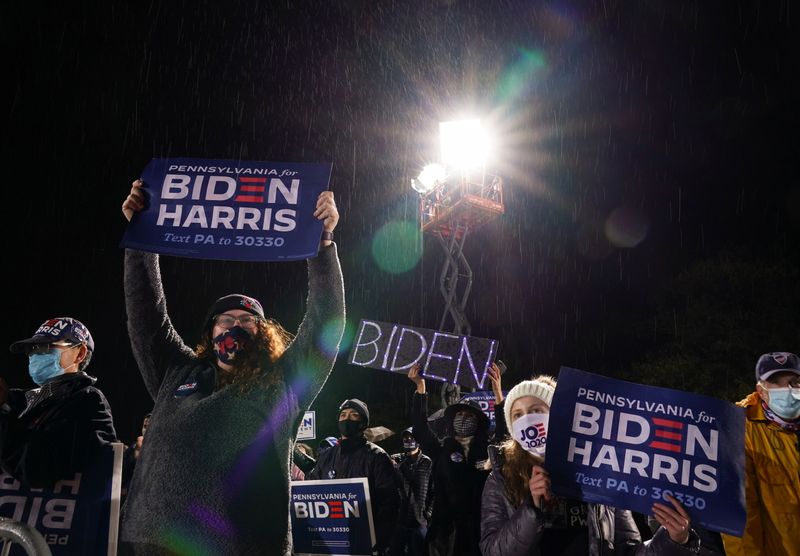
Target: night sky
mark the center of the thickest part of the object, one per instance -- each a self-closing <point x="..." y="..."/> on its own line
<point x="649" y="149"/>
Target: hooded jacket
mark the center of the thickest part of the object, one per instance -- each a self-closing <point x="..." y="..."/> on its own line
<point x="516" y="531"/>
<point x="356" y="457"/>
<point x="772" y="487"/>
<point x="458" y="479"/>
<point x="48" y="433"/>
<point x="214" y="470"/>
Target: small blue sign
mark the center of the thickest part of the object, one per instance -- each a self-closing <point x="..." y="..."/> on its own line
<point x="332" y="517"/>
<point x="229" y="209"/>
<point x="627" y="445"/>
<point x="485" y="399"/>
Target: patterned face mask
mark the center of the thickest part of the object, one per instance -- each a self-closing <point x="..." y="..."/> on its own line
<point x="530" y="432"/>
<point x="230" y="343"/>
<point x="465" y="425"/>
<point x="409" y="445"/>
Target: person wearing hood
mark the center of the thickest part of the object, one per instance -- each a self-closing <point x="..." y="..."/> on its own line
<point x="459" y="471"/>
<point x="416" y="500"/>
<point x="354" y="456"/>
<point x="214" y="471"/>
<point x="521" y="517"/>
<point x="772" y="461"/>
<point x="52" y="431"/>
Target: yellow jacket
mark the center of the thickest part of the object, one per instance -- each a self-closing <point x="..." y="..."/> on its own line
<point x="772" y="488"/>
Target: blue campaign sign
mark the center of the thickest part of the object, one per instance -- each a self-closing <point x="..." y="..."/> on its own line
<point x="229" y="209"/>
<point x="486" y="400"/>
<point x="628" y="445"/>
<point x="332" y="517"/>
<point x="308" y="426"/>
<point x="79" y="515"/>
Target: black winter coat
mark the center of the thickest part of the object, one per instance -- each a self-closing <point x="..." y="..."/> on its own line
<point x="458" y="480"/>
<point x="353" y="458"/>
<point x="48" y="433"/>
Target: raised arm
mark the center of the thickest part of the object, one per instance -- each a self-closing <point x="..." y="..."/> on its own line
<point x="155" y="343"/>
<point x="428" y="441"/>
<point x="309" y="359"/>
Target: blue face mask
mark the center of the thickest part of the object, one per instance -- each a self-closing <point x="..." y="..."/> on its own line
<point x="45" y="366"/>
<point x="785" y="402"/>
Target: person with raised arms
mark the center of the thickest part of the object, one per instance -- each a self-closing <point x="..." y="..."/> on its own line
<point x="214" y="472"/>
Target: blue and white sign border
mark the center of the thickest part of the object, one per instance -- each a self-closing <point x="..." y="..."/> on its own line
<point x="367" y="500"/>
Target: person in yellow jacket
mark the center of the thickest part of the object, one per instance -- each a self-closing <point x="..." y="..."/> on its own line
<point x="772" y="461"/>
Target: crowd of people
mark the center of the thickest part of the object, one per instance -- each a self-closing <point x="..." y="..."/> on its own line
<point x="220" y="447"/>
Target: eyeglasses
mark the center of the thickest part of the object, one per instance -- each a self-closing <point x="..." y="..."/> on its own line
<point x="42" y="349"/>
<point x="794" y="384"/>
<point x="228" y="321"/>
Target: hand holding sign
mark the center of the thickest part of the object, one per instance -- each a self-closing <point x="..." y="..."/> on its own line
<point x="414" y="376"/>
<point x="539" y="485"/>
<point x="327" y="212"/>
<point x="135" y="201"/>
<point x="497" y="383"/>
<point x="675" y="520"/>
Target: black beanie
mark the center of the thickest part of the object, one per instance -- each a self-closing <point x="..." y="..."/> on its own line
<point x="234" y="301"/>
<point x="359" y="406"/>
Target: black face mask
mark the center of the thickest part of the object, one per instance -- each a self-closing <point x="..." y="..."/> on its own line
<point x="350" y="429"/>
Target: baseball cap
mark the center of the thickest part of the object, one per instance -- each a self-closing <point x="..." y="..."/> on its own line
<point x="58" y="329"/>
<point x="776" y="362"/>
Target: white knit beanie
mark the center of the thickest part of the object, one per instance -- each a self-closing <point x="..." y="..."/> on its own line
<point x="536" y="388"/>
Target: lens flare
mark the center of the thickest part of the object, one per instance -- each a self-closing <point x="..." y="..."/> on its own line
<point x="626" y="227"/>
<point x="329" y="338"/>
<point x="397" y="247"/>
<point x="178" y="543"/>
<point x="520" y="75"/>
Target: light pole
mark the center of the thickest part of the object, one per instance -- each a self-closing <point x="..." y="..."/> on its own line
<point x="456" y="198"/>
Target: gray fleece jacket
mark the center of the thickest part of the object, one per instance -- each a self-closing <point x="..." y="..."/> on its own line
<point x="213" y="474"/>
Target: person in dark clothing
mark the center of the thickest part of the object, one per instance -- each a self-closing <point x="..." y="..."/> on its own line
<point x="214" y="471"/>
<point x="459" y="471"/>
<point x="50" y="432"/>
<point x="355" y="457"/>
<point x="326" y="444"/>
<point x="521" y="517"/>
<point x="416" y="500"/>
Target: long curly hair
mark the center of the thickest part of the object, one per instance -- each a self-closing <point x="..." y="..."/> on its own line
<point x="516" y="469"/>
<point x="256" y="365"/>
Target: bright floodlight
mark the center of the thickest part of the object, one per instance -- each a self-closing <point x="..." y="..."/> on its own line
<point x="428" y="178"/>
<point x="464" y="144"/>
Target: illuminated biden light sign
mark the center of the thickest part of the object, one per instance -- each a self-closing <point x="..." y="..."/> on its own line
<point x="332" y="517"/>
<point x="229" y="210"/>
<point x="628" y="446"/>
<point x="441" y="356"/>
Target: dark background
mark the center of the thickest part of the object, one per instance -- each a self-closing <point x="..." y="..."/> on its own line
<point x="680" y="116"/>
